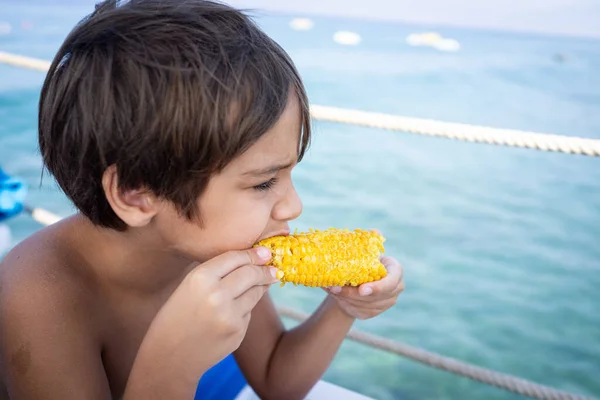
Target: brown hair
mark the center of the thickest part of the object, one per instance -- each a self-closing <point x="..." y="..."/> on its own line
<point x="168" y="91"/>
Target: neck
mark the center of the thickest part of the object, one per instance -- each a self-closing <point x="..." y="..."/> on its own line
<point x="134" y="260"/>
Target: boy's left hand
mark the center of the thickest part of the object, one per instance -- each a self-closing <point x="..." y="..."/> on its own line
<point x="371" y="299"/>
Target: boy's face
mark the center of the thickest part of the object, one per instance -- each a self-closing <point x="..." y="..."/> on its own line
<point x="251" y="199"/>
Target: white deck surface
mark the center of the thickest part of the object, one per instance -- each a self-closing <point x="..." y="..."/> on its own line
<point x="322" y="391"/>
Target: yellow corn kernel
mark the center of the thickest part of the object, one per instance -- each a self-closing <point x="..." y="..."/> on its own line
<point x="332" y="257"/>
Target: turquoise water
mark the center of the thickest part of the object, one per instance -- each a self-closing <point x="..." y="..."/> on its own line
<point x="500" y="246"/>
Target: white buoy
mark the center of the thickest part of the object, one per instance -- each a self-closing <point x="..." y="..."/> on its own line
<point x="347" y="38"/>
<point x="447" y="45"/>
<point x="423" y="39"/>
<point x="301" y="24"/>
<point x="433" y="39"/>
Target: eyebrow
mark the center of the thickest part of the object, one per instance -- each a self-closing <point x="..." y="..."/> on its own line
<point x="268" y="170"/>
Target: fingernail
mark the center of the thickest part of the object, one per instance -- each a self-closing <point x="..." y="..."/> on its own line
<point x="336" y="289"/>
<point x="263" y="252"/>
<point x="366" y="291"/>
<point x="276" y="273"/>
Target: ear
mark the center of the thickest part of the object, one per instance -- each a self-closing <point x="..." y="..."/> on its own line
<point x="135" y="207"/>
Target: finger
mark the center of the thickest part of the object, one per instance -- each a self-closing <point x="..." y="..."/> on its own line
<point x="357" y="293"/>
<point x="344" y="291"/>
<point x="246" y="277"/>
<point x="361" y="304"/>
<point x="386" y="285"/>
<point x="223" y="264"/>
<point x="249" y="299"/>
<point x="364" y="290"/>
<point x="353" y="294"/>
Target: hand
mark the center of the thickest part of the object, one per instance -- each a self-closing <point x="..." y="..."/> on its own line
<point x="206" y="317"/>
<point x="371" y="299"/>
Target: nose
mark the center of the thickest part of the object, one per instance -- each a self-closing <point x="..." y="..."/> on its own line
<point x="289" y="207"/>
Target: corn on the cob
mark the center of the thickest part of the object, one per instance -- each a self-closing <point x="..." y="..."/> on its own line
<point x="333" y="257"/>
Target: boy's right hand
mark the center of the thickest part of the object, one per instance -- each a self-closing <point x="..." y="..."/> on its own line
<point x="203" y="321"/>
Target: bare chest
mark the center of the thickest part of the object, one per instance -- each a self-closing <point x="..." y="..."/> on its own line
<point x="125" y="326"/>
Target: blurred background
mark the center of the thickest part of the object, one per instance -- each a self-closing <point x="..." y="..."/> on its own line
<point x="501" y="246"/>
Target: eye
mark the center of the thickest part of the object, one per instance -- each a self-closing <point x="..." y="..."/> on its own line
<point x="266" y="185"/>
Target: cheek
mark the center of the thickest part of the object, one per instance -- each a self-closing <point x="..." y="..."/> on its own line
<point x="243" y="221"/>
<point x="233" y="224"/>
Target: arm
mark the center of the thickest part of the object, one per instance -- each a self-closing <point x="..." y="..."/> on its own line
<point x="287" y="364"/>
<point x="49" y="348"/>
<point x="280" y="364"/>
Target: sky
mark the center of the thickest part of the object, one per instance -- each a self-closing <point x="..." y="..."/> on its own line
<point x="555" y="17"/>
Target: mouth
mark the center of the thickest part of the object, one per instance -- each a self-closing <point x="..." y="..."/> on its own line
<point x="283" y="232"/>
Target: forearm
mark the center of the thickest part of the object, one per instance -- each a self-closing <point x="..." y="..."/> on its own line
<point x="304" y="353"/>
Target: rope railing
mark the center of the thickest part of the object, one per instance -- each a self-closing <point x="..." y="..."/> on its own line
<point x="24" y="62"/>
<point x="427" y="127"/>
<point x="487" y="376"/>
<point x="463" y="132"/>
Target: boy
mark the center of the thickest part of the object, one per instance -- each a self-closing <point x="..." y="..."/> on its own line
<point x="173" y="126"/>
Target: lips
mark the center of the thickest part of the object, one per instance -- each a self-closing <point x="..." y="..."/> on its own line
<point x="284" y="232"/>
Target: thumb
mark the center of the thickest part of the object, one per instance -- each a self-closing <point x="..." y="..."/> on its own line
<point x="225" y="263"/>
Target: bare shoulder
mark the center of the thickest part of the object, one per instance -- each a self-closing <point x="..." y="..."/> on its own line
<point x="45" y="304"/>
<point x="44" y="268"/>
